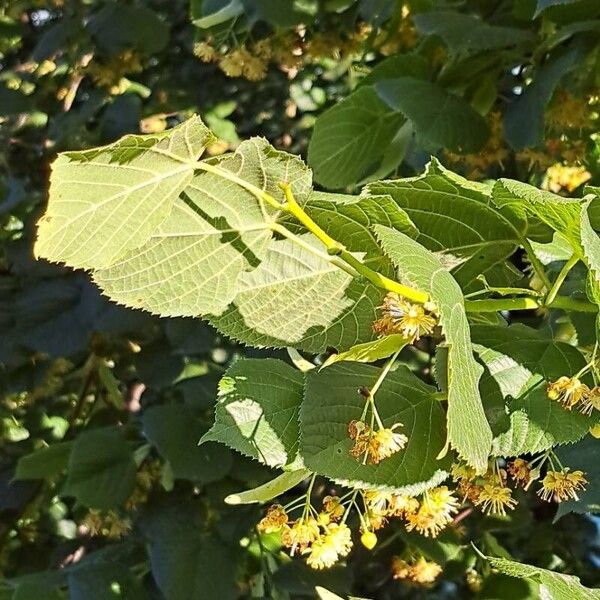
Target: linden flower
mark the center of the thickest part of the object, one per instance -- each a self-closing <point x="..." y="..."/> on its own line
<point x="462" y="471"/>
<point x="400" y="316"/>
<point x="205" y="52"/>
<point x="494" y="498"/>
<point x="402" y="506"/>
<point x="333" y="507"/>
<point x="301" y="534"/>
<point x="568" y="391"/>
<point x="322" y="554"/>
<point x="421" y="571"/>
<point x="232" y="64"/>
<point x="375" y="521"/>
<point x="440" y="501"/>
<point x="562" y="485"/>
<point x="361" y="433"/>
<point x="424" y="571"/>
<point x="591" y="401"/>
<point x="385" y="442"/>
<point x="425" y="522"/>
<point x="274" y="520"/>
<point x="377" y="501"/>
<point x="340" y="537"/>
<point x="400" y="568"/>
<point x="520" y="470"/>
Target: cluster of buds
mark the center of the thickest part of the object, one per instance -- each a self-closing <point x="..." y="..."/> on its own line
<point x="398" y="315"/>
<point x="428" y="516"/>
<point x="571" y="392"/>
<point x="420" y="571"/>
<point x="323" y="538"/>
<point x="375" y="445"/>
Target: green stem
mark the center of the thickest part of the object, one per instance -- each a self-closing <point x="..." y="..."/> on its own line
<point x="560" y="279"/>
<point x="538" y="267"/>
<point x="495" y="305"/>
<point x="335" y="248"/>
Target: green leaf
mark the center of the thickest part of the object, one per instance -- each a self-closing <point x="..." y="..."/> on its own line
<point x="554" y="586"/>
<point x="582" y="456"/>
<point x="267" y="491"/>
<point x="332" y="400"/>
<point x="216" y="233"/>
<point x="175" y="431"/>
<point x="101" y="471"/>
<point x="590" y="243"/>
<point x="98" y="195"/>
<point x="456" y="218"/>
<point x="524" y="123"/>
<point x="558" y="213"/>
<point x="542" y="5"/>
<point x="370" y="351"/>
<point x="343" y="308"/>
<point x="349" y="140"/>
<point x="469" y="432"/>
<point x="440" y="119"/>
<point x="518" y="360"/>
<point x="257" y="410"/>
<point x="397" y="65"/>
<point x="451" y="27"/>
<point x="45" y="462"/>
<point x="350" y="219"/>
<point x="118" y="27"/>
<point x="188" y="563"/>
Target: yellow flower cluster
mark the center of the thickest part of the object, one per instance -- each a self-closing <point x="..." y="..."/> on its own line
<point x="375" y="445"/>
<point x="562" y="485"/>
<point x="428" y="516"/>
<point x="569" y="112"/>
<point x="561" y="177"/>
<point x="110" y="72"/>
<point x="571" y="392"/>
<point x="109" y="524"/>
<point x="289" y="50"/>
<point x="401" y="316"/>
<point x="420" y="571"/>
<point x="488" y="491"/>
<point x="322" y="539"/>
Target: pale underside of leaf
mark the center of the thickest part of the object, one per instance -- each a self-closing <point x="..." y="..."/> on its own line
<point x="106" y="201"/>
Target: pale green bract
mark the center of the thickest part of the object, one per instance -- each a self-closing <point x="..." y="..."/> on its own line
<point x="468" y="429"/>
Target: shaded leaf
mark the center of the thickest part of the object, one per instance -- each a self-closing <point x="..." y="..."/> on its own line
<point x="257" y="410"/>
<point x="332" y="400"/>
<point x="176" y="432"/>
<point x="101" y="472"/>
<point x="440" y="119"/>
<point x="350" y="139"/>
